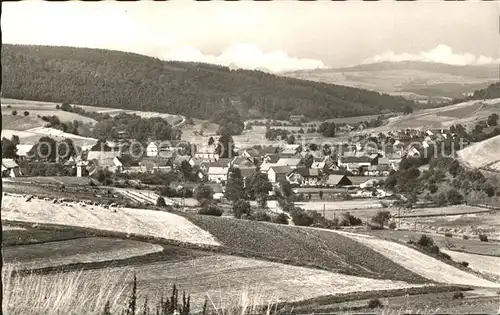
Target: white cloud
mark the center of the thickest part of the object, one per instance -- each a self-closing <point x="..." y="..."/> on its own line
<point x="442" y="54"/>
<point x="244" y="56"/>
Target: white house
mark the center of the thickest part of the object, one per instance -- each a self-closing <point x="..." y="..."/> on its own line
<point x="278" y="173"/>
<point x="207" y="153"/>
<point x="159" y="148"/>
<point x="291" y="162"/>
<point x="218" y="174"/>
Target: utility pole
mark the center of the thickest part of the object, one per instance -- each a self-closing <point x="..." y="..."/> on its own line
<point x="324" y="210"/>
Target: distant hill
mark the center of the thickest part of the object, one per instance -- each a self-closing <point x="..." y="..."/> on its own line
<point x="130" y="81"/>
<point x="412" y="79"/>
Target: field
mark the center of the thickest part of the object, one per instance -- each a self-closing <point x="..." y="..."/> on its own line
<point x="420" y="263"/>
<point x="74" y="251"/>
<point x="31" y="136"/>
<point x="471" y="246"/>
<point x="157" y="224"/>
<point x="482" y="153"/>
<point x="463" y="113"/>
<point x="16" y="235"/>
<point x="172" y="119"/>
<point x="468" y="224"/>
<point x="442" y="211"/>
<point x="302" y="246"/>
<point x="481" y="263"/>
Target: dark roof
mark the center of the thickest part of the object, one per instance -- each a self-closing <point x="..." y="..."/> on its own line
<point x="355" y="159"/>
<point x="337" y="179"/>
<point x="281" y="169"/>
<point x="307" y="172"/>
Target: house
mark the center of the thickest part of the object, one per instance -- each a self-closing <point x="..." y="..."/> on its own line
<point x="291" y="162"/>
<point x="81" y="168"/>
<point x="334" y="180"/>
<point x="178" y="159"/>
<point x="217" y="171"/>
<point x="105" y="159"/>
<point x="242" y="162"/>
<point x="354" y="162"/>
<point x="264" y="167"/>
<point x="290" y="150"/>
<point x="271" y="158"/>
<point x="277" y="174"/>
<point x="412" y="151"/>
<point x="377" y="170"/>
<point x="304" y="176"/>
<point x="154" y="164"/>
<point x="22" y="151"/>
<point x="207" y="153"/>
<point x="10" y="168"/>
<point x="160" y="148"/>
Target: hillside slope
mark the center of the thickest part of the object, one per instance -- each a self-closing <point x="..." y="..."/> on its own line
<point x="482" y="153"/>
<point x="413" y="80"/>
<point x="131" y="81"/>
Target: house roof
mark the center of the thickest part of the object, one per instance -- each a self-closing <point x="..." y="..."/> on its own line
<point x="273" y="158"/>
<point x="355" y="159"/>
<point x="23" y="149"/>
<point x="288" y="161"/>
<point x="241" y="160"/>
<point x="154" y="162"/>
<point x="102" y="155"/>
<point x="281" y="169"/>
<point x="9" y="163"/>
<point x="335" y="179"/>
<point x="219" y="163"/>
<point x="206" y="150"/>
<point x="181" y="158"/>
<point x="218" y="170"/>
<point x="307" y="172"/>
<point x="266" y="166"/>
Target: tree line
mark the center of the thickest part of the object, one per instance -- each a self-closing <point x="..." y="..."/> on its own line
<point x="130" y="81"/>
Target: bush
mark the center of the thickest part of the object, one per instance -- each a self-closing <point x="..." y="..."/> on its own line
<point x="160" y="202"/>
<point x="483" y="237"/>
<point x="458" y="295"/>
<point x="465" y="237"/>
<point x="392" y="225"/>
<point x="300" y="217"/>
<point x="425" y="241"/>
<point x="14" y="112"/>
<point x="241" y="208"/>
<point x="381" y="218"/>
<point x="448" y="234"/>
<point x="464" y="263"/>
<point x="280" y="219"/>
<point x="211" y="210"/>
<point x="433" y="188"/>
<point x="26" y="113"/>
<point x="350" y="220"/>
<point x="375" y="303"/>
<point x="261" y="216"/>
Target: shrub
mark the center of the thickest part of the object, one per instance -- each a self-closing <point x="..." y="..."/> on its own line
<point x="14" y="112"/>
<point x="392" y="225"/>
<point x="465" y="237"/>
<point x="464" y="263"/>
<point x="57" y="107"/>
<point x="300" y="217"/>
<point x="160" y="202"/>
<point x="280" y="219"/>
<point x="375" y="303"/>
<point x="26" y="113"/>
<point x="240" y="208"/>
<point x="350" y="220"/>
<point x="381" y="218"/>
<point x="448" y="234"/>
<point x="458" y="295"/>
<point x="433" y="188"/>
<point x="483" y="237"/>
<point x="425" y="241"/>
<point x="211" y="210"/>
<point x="261" y="216"/>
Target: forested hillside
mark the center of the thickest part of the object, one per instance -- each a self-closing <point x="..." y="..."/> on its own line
<point x="492" y="91"/>
<point x="131" y="81"/>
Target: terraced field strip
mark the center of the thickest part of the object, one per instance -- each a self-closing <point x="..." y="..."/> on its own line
<point x="223" y="278"/>
<point x="481" y="263"/>
<point x="340" y="205"/>
<point x="82" y="250"/>
<point x="420" y="263"/>
<point x="158" y="224"/>
<point x="443" y="211"/>
<point x="142" y="196"/>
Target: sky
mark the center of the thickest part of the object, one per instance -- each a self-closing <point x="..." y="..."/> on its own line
<point x="278" y="36"/>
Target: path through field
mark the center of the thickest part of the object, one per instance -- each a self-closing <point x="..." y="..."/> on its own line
<point x="420" y="263"/>
<point x="134" y="221"/>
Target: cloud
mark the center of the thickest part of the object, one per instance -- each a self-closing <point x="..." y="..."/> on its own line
<point x="245" y="56"/>
<point x="442" y="54"/>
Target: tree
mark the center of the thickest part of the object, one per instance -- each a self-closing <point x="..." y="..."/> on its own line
<point x="290" y="139"/>
<point x="407" y="110"/>
<point x="203" y="192"/>
<point x="160" y="202"/>
<point x="211" y="141"/>
<point x="381" y="218"/>
<point x="209" y="209"/>
<point x="225" y="144"/>
<point x="320" y="194"/>
<point x="14" y="112"/>
<point x="259" y="186"/>
<point x="241" y="208"/>
<point x="66" y="107"/>
<point x="9" y="149"/>
<point x="287" y="188"/>
<point x="280" y="219"/>
<point x="493" y="119"/>
<point x="186" y="170"/>
<point x="454" y="197"/>
<point x="26" y="113"/>
<point x="235" y="188"/>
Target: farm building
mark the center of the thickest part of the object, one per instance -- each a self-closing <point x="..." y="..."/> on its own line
<point x="355" y="162"/>
<point x="304" y="176"/>
<point x="217" y="171"/>
<point x="278" y="173"/>
<point x="105" y="159"/>
<point x="337" y="180"/>
<point x="151" y="164"/>
<point x="156" y="148"/>
<point x="10" y="168"/>
<point x="291" y="162"/>
<point x="207" y="153"/>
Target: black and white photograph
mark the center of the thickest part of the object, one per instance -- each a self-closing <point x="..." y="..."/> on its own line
<point x="247" y="157"/>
